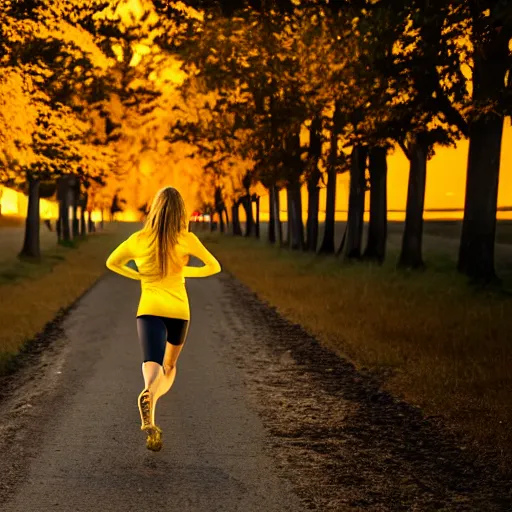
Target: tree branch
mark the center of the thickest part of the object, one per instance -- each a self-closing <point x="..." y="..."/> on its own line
<point x="401" y="143"/>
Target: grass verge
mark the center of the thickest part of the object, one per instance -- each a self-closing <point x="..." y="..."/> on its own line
<point x="33" y="294"/>
<point x="11" y="221"/>
<point x="18" y="269"/>
<point x="436" y="342"/>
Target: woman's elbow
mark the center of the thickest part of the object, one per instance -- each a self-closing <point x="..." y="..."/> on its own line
<point x="213" y="268"/>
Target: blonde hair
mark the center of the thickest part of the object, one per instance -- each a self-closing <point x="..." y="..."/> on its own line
<point x="164" y="224"/>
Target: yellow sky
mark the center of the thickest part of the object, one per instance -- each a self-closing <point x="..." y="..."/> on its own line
<point x="446" y="177"/>
<point x="446" y="182"/>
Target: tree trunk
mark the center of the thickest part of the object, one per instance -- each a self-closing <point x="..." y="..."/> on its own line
<point x="312" y="222"/>
<point x="279" y="224"/>
<point x="221" y="220"/>
<point x="327" y="246"/>
<point x="257" y="224"/>
<point x="90" y="223"/>
<point x="58" y="227"/>
<point x="313" y="177"/>
<point x="64" y="219"/>
<point x="491" y="62"/>
<point x="411" y="254"/>
<point x="247" y="204"/>
<point x="289" y="216"/>
<point x="102" y="220"/>
<point x="227" y="218"/>
<point x="235" y="220"/>
<point x="296" y="229"/>
<point x="343" y="241"/>
<point x="271" y="215"/>
<point x="31" y="246"/>
<point x="64" y="209"/>
<point x="476" y="252"/>
<point x="75" y="224"/>
<point x="355" y="218"/>
<point x="83" y="231"/>
<point x="377" y="229"/>
<point x="294" y="220"/>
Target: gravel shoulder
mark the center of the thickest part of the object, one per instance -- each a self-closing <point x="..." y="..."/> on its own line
<point x="341" y="441"/>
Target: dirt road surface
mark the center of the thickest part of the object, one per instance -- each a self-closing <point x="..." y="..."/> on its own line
<point x="260" y="418"/>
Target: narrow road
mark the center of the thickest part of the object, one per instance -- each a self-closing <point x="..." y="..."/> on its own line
<point x="89" y="453"/>
<point x="261" y="418"/>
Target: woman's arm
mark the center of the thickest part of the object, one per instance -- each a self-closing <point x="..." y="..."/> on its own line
<point x="197" y="249"/>
<point x="120" y="257"/>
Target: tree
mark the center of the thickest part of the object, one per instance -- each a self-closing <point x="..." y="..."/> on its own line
<point x="59" y="78"/>
<point x="409" y="80"/>
<point x="377" y="229"/>
<point x="313" y="175"/>
<point x="335" y="163"/>
<point x="366" y="34"/>
<point x="427" y="115"/>
<point x="490" y="34"/>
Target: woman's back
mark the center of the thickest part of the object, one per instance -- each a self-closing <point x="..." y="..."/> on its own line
<point x="146" y="259"/>
<point x="162" y="295"/>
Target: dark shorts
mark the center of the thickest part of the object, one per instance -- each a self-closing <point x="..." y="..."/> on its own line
<point x="156" y="331"/>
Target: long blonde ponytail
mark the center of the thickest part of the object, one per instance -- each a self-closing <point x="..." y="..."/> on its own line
<point x="166" y="220"/>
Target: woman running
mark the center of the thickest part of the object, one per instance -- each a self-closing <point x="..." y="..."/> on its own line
<point x="161" y="251"/>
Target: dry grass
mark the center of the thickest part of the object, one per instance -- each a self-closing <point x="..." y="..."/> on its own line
<point x="33" y="294"/>
<point x="11" y="221"/>
<point x="12" y="232"/>
<point x="443" y="346"/>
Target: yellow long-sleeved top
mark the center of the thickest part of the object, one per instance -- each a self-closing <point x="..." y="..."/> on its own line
<point x="162" y="296"/>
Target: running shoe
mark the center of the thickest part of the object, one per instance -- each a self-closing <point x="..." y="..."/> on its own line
<point x="145" y="406"/>
<point x="154" y="438"/>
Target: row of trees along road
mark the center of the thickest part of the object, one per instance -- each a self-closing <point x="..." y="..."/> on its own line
<point x="362" y="77"/>
<point x="278" y="94"/>
<point x="52" y="84"/>
<point x="75" y="102"/>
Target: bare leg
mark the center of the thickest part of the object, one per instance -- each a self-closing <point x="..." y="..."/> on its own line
<point x="153" y="374"/>
<point x="171" y="355"/>
<point x="165" y="383"/>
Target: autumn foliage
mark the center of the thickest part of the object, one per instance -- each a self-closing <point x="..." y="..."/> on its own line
<point x="235" y="101"/>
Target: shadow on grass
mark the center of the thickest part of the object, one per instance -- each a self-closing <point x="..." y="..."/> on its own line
<point x="32" y="268"/>
<point x="72" y="244"/>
